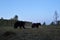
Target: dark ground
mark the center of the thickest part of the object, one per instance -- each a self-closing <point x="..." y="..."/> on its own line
<point x="43" y="33"/>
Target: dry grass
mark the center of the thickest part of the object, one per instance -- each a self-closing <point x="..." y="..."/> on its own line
<point x="43" y="33"/>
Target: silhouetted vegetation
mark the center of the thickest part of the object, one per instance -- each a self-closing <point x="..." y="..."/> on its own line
<point x="44" y="23"/>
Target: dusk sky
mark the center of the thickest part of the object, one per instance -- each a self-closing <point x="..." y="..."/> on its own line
<point x="30" y="10"/>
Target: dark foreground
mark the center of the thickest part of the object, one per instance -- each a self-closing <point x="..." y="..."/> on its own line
<point x="8" y="33"/>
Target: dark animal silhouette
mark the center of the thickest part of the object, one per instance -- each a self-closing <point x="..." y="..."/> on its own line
<point x="36" y="25"/>
<point x="19" y="24"/>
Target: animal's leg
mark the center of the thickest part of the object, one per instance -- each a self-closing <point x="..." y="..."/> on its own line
<point x="23" y="27"/>
<point x="20" y="27"/>
<point x="37" y="26"/>
<point x="15" y="26"/>
<point x="32" y="26"/>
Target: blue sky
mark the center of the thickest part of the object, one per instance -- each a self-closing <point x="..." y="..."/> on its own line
<point x="30" y="10"/>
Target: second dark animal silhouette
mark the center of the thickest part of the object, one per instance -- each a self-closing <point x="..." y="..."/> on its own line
<point x="36" y="25"/>
<point x="19" y="24"/>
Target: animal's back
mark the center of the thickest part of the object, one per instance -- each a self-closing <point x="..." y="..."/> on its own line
<point x="19" y="23"/>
